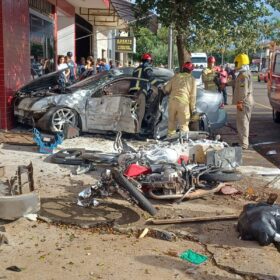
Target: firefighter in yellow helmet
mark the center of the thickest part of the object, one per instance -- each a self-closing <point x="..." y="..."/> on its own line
<point x="182" y="99"/>
<point x="209" y="74"/>
<point x="243" y="98"/>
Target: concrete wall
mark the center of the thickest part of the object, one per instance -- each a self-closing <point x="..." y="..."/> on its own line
<point x="102" y="43"/>
<point x="65" y="34"/>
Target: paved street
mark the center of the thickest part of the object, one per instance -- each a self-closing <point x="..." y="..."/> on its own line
<point x="262" y="127"/>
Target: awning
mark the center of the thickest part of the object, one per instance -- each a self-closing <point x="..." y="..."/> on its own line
<point x="105" y="13"/>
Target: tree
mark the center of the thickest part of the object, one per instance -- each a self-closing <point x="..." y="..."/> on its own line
<point x="272" y="31"/>
<point x="208" y="21"/>
<point x="145" y="42"/>
<point x="148" y="42"/>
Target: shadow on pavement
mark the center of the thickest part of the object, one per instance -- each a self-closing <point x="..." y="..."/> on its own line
<point x="65" y="210"/>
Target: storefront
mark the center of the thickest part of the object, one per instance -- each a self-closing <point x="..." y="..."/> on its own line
<point x="32" y="34"/>
<point x="42" y="44"/>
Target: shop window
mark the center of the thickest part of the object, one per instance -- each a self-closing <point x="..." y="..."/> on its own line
<point x="42" y="6"/>
<point x="41" y="44"/>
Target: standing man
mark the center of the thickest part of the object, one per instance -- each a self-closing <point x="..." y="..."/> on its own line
<point x="72" y="67"/>
<point x="223" y="83"/>
<point x="209" y="74"/>
<point x="142" y="86"/>
<point x="243" y="98"/>
<point x="182" y="99"/>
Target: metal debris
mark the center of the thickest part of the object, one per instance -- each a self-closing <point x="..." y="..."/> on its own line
<point x="271" y="153"/>
<point x="16" y="203"/>
<point x="86" y="199"/>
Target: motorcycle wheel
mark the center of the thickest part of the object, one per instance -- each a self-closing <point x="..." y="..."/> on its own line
<point x="221" y="177"/>
<point x="143" y="202"/>
<point x="101" y="158"/>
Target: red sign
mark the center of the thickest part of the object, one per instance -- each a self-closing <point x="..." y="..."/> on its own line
<point x="107" y="3"/>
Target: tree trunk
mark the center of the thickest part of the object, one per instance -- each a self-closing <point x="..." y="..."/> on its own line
<point x="183" y="54"/>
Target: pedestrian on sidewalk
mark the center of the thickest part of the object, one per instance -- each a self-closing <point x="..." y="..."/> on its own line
<point x="89" y="63"/>
<point x="231" y="80"/>
<point x="81" y="68"/>
<point x="243" y="98"/>
<point x="182" y="99"/>
<point x="72" y="66"/>
<point x="64" y="75"/>
<point x="223" y="83"/>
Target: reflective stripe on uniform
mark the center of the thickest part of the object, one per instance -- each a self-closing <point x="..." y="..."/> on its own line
<point x="139" y="70"/>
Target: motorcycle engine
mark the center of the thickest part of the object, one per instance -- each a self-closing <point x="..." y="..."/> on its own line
<point x="169" y="181"/>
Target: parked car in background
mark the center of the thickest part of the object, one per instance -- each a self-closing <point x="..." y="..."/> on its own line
<point x="102" y="102"/>
<point x="274" y="82"/>
<point x="254" y="68"/>
<point x="263" y="75"/>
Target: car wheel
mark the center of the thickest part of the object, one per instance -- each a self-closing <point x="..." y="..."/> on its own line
<point x="62" y="116"/>
<point x="276" y="116"/>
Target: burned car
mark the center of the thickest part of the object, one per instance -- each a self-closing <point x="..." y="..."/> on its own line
<point x="102" y="103"/>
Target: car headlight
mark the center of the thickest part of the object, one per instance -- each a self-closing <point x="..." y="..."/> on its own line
<point x="40" y="105"/>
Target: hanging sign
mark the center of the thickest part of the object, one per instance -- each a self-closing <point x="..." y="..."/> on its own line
<point x="125" y="44"/>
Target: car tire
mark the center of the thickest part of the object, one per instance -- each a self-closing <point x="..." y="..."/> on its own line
<point x="142" y="201"/>
<point x="276" y="116"/>
<point x="59" y="116"/>
<point x="221" y="176"/>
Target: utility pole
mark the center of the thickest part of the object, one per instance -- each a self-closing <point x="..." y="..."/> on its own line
<point x="170" y="47"/>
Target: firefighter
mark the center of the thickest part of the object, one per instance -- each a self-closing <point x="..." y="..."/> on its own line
<point x="142" y="88"/>
<point x="243" y="98"/>
<point x="182" y="99"/>
<point x="209" y="74"/>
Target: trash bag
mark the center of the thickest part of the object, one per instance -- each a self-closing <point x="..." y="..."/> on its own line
<point x="260" y="222"/>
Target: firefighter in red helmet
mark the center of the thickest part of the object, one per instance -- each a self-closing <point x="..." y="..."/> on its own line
<point x="140" y="87"/>
<point x="182" y="99"/>
<point x="209" y="74"/>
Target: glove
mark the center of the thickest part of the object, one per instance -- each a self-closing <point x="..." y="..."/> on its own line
<point x="239" y="106"/>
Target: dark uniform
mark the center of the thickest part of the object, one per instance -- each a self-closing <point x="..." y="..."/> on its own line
<point x="142" y="87"/>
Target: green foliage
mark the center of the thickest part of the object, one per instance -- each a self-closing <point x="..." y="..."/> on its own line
<point x="145" y="42"/>
<point x="274" y="4"/>
<point x="272" y="31"/>
<point x="214" y="25"/>
<point x="148" y="42"/>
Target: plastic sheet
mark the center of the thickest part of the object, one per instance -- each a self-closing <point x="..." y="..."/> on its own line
<point x="260" y="222"/>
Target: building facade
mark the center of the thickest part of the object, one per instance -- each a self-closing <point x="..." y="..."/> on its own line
<point x="34" y="32"/>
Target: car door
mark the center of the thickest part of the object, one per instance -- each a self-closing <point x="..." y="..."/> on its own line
<point x="111" y="108"/>
<point x="274" y="84"/>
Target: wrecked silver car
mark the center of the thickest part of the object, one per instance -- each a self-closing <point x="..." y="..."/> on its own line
<point x="102" y="103"/>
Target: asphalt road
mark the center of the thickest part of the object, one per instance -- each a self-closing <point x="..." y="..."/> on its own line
<point x="262" y="128"/>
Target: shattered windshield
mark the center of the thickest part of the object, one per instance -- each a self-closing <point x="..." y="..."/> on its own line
<point x="95" y="81"/>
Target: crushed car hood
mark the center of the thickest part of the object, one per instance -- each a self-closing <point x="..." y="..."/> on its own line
<point x="43" y="83"/>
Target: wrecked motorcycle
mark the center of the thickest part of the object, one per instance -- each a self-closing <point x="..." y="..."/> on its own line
<point x="161" y="181"/>
<point x="165" y="170"/>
